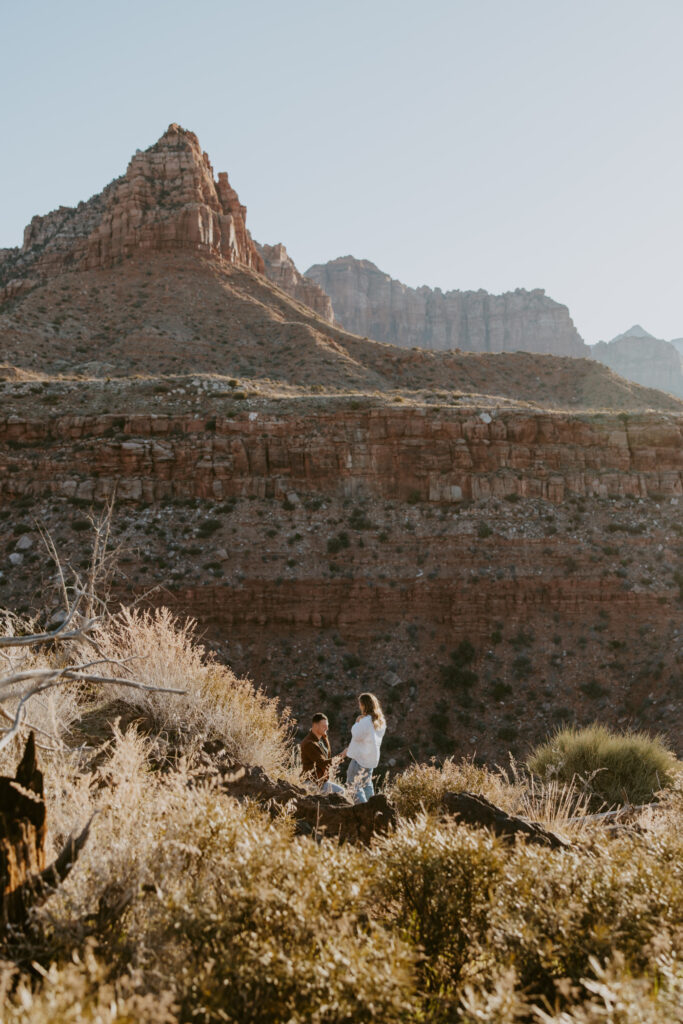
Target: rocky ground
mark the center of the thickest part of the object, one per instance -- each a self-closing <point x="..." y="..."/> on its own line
<point x="481" y="627"/>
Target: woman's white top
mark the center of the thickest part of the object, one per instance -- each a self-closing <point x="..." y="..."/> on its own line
<point x="365" y="742"/>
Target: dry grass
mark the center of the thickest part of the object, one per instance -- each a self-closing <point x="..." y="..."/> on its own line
<point x="159" y="651"/>
<point x="422" y="786"/>
<point x="186" y="905"/>
<point x="561" y="807"/>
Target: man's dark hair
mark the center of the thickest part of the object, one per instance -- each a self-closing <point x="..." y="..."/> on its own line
<point x="318" y="718"/>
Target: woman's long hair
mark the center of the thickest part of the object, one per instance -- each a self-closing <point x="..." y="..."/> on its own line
<point x="372" y="707"/>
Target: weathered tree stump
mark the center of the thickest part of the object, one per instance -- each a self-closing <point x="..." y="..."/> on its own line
<point x="478" y="811"/>
<point x="22" y="833"/>
<point x="24" y="879"/>
<point x="332" y="816"/>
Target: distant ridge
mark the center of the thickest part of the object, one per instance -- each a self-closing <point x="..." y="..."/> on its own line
<point x="639" y="356"/>
<point x="158" y="276"/>
<point x="634" y="332"/>
<point x="369" y="302"/>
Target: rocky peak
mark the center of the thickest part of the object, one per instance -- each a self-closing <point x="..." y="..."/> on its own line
<point x="635" y="332"/>
<point x="640" y="357"/>
<point x="369" y="302"/>
<point x="281" y="270"/>
<point x="167" y="199"/>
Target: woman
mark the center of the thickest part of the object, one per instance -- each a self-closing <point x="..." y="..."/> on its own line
<point x="366" y="738"/>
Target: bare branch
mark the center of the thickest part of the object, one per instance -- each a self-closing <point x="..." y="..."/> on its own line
<point x="61" y="633"/>
<point x="24" y="677"/>
<point x="30" y="725"/>
<point x="52" y="551"/>
<point x="71" y="674"/>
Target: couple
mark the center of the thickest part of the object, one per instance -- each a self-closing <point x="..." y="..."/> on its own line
<point x="363" y="750"/>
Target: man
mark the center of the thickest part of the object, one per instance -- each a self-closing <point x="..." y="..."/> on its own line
<point x="316" y="755"/>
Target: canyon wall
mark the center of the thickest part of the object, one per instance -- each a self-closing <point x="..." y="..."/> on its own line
<point x="328" y="552"/>
<point x="421" y="454"/>
<point x="167" y="199"/>
<point x="368" y="302"/>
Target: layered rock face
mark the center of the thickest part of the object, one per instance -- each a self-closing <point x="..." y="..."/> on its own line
<point x="282" y="271"/>
<point x="167" y="199"/>
<point x="439" y="456"/>
<point x="647" y="360"/>
<point x="328" y="552"/>
<point x="370" y="303"/>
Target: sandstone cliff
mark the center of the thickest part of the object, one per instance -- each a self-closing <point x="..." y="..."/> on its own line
<point x="444" y="456"/>
<point x="282" y="271"/>
<point x="167" y="200"/>
<point x="639" y="356"/>
<point x="326" y="551"/>
<point x="370" y="303"/>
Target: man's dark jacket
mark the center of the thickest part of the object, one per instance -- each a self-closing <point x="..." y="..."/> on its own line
<point x="316" y="756"/>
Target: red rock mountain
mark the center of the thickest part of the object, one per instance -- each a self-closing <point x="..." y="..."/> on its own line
<point x="369" y="302"/>
<point x="158" y="274"/>
<point x="167" y="200"/>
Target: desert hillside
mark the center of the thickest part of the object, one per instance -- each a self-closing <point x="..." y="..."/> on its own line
<point x="337" y="512"/>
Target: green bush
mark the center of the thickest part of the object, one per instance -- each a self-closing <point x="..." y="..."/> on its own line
<point x="208" y="526"/>
<point x="434" y="881"/>
<point x="358" y="520"/>
<point x="338" y="543"/>
<point x="619" y="768"/>
<point x="553" y="912"/>
<point x="457" y="675"/>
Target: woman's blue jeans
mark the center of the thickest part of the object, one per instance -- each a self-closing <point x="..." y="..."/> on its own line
<point x="360" y="779"/>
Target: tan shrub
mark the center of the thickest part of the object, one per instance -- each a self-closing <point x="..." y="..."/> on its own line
<point x="422" y="786"/>
<point x="160" y="651"/>
<point x="554" y="910"/>
<point x="616" y="997"/>
<point x="210" y="899"/>
<point x="80" y="993"/>
<point x="257" y="925"/>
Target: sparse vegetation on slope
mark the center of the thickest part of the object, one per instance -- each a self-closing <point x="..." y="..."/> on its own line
<point x="216" y="705"/>
<point x="188" y="905"/>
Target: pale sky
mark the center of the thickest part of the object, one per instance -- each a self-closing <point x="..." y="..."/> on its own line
<point x="457" y="143"/>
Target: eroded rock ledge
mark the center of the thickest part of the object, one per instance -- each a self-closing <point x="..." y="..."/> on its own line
<point x="417" y="454"/>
